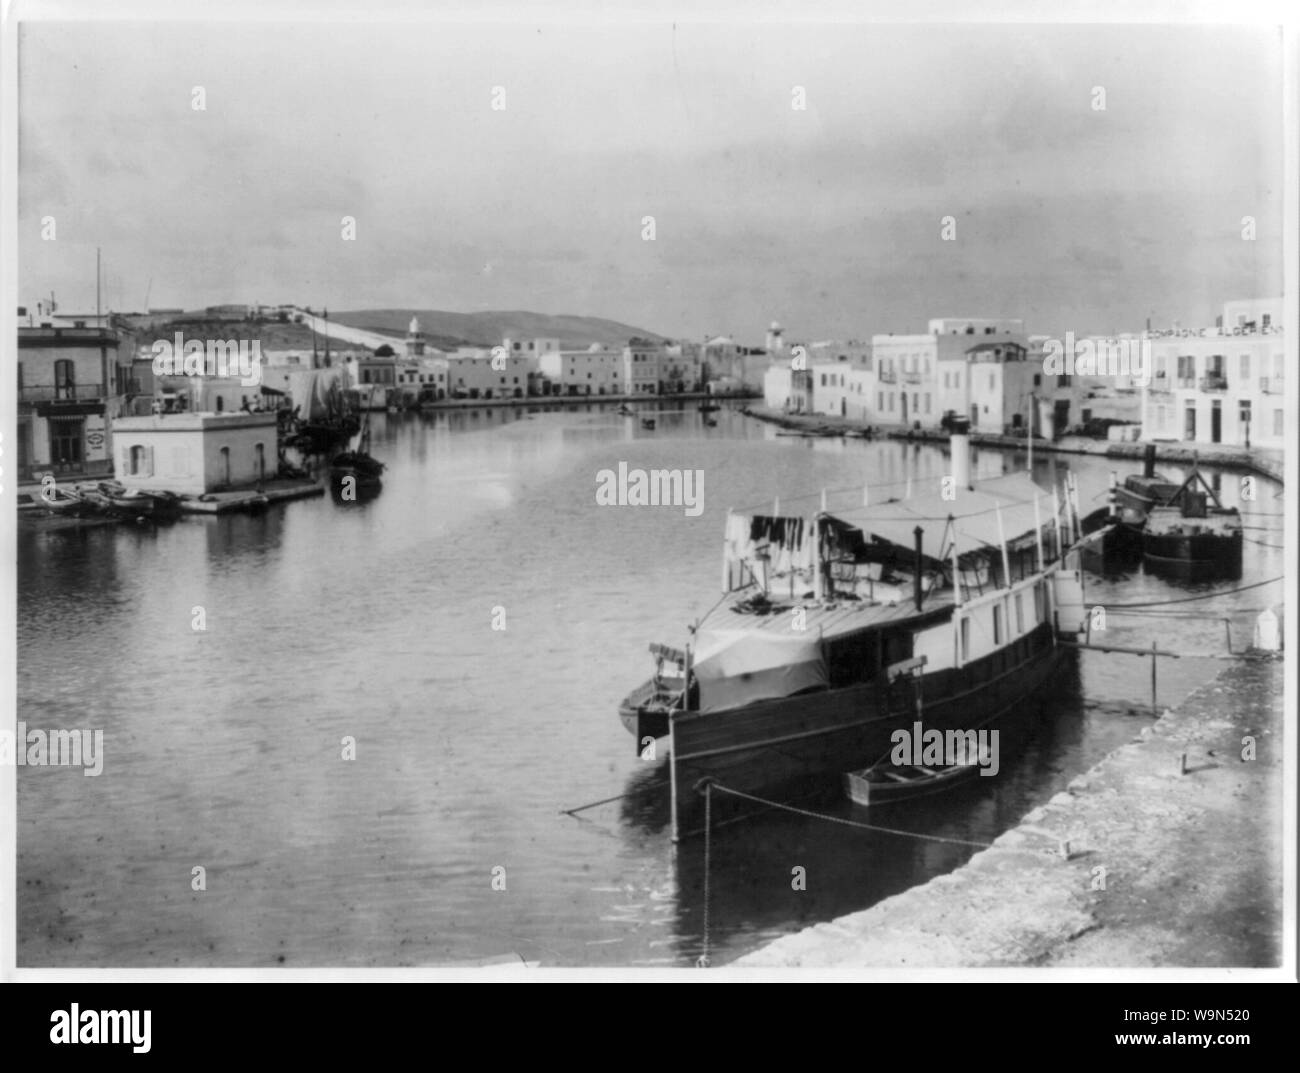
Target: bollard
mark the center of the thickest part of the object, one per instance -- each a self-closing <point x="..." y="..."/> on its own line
<point x="1064" y="849"/>
<point x="1182" y="763"/>
<point x="1268" y="636"/>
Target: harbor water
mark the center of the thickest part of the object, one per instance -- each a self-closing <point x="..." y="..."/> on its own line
<point x="368" y="745"/>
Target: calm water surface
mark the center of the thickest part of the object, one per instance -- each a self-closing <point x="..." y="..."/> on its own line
<point x="325" y="620"/>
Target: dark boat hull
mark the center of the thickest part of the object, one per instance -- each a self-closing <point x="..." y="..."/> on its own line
<point x="1193" y="555"/>
<point x="779" y="743"/>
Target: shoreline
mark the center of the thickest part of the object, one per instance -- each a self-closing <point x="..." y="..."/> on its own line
<point x="1189" y="865"/>
<point x="1265" y="461"/>
<point x="582" y="400"/>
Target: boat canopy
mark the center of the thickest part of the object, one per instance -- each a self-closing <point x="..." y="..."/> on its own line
<point x="974" y="513"/>
<point x="737" y="666"/>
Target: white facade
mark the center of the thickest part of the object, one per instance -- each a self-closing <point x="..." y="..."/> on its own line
<point x="1220" y="385"/>
<point x="905" y="372"/>
<point x="594" y="371"/>
<point x="641" y="368"/>
<point x="192" y="454"/>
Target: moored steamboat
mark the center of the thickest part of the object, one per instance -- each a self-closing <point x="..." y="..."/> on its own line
<point x="836" y="630"/>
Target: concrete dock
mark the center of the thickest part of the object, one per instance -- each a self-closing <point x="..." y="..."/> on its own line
<point x="1175" y="860"/>
<point x="276" y="491"/>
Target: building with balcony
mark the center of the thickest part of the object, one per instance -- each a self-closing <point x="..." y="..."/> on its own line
<point x="1223" y="384"/>
<point x="72" y="381"/>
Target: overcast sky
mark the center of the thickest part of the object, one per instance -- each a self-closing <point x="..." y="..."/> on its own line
<point x="828" y="219"/>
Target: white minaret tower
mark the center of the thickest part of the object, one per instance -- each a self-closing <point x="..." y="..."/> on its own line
<point x="414" y="339"/>
<point x="775" y="344"/>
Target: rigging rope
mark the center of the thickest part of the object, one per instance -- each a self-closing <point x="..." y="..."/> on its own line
<point x="839" y="820"/>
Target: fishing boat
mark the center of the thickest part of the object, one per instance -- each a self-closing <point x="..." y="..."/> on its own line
<point x="1193" y="535"/>
<point x="835" y="630"/>
<point x="709" y="407"/>
<point x="358" y="465"/>
<point x="625" y="410"/>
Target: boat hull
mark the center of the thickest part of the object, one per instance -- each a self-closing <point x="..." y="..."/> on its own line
<point x="779" y="743"/>
<point x="1193" y="555"/>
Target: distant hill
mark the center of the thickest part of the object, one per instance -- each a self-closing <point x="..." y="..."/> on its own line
<point x="488" y="328"/>
<point x="273" y="333"/>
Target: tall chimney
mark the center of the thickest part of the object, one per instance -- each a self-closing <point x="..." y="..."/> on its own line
<point x="1149" y="461"/>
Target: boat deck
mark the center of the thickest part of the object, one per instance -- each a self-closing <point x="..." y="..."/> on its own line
<point x="829" y="618"/>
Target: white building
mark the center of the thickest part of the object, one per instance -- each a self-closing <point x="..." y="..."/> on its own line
<point x="641" y="367"/>
<point x="195" y="453"/>
<point x="1223" y="384"/>
<point x="594" y="371"/>
<point x="841" y="378"/>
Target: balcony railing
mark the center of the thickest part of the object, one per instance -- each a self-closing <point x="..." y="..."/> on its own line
<point x="1214" y="383"/>
<point x="68" y="393"/>
<point x="1160" y="385"/>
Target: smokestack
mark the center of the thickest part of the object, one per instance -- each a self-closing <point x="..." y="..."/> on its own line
<point x="959" y="444"/>
<point x="1149" y="461"/>
<point x="917" y="566"/>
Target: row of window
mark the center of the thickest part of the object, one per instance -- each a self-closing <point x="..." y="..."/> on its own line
<point x="1215" y="365"/>
<point x="885" y="402"/>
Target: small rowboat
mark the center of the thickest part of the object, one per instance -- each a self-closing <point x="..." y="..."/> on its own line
<point x="57" y="501"/>
<point x="135" y="502"/>
<point x="886" y="783"/>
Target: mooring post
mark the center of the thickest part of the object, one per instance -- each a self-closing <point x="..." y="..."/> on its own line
<point x="1154" y="659"/>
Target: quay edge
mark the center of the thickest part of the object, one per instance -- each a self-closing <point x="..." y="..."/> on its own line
<point x="1267" y="462"/>
<point x="1194" y="874"/>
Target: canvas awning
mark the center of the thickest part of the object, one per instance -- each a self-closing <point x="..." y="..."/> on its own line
<point x="974" y="514"/>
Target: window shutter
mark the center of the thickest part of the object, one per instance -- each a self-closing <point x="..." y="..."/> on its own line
<point x="148" y="461"/>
